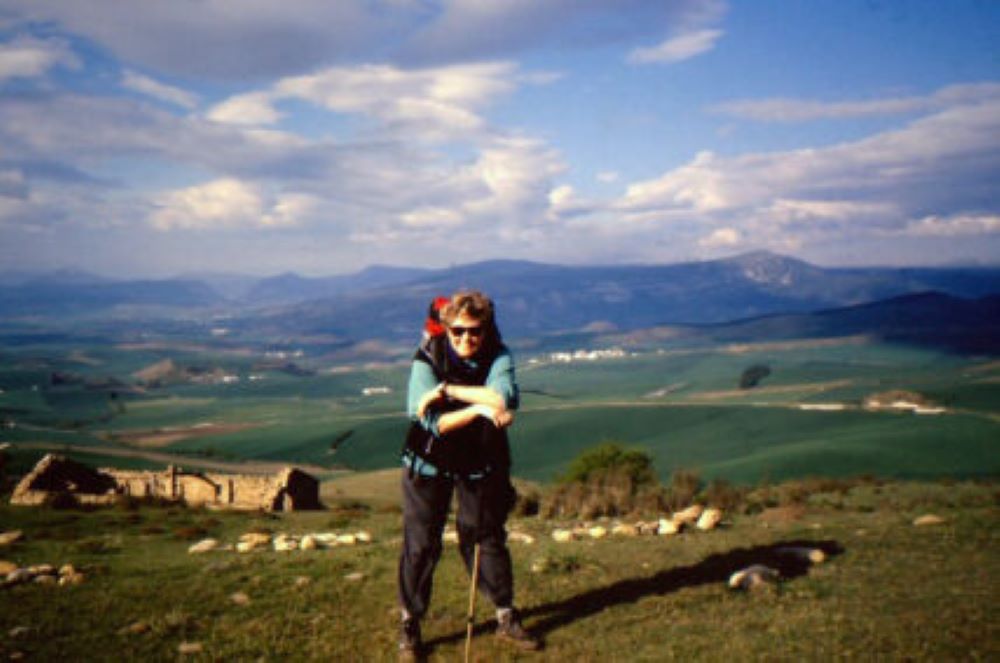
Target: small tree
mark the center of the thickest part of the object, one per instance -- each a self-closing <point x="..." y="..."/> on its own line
<point x="753" y="375"/>
<point x="605" y="480"/>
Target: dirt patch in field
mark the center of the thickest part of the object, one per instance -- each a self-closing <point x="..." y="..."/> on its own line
<point x="161" y="437"/>
<point x="807" y="387"/>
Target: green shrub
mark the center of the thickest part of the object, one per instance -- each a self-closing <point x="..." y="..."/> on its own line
<point x="633" y="465"/>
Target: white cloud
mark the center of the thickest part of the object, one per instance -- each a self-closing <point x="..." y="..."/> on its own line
<point x="172" y="95"/>
<point x="27" y="57"/>
<point x="437" y="103"/>
<point x="431" y="217"/>
<point x="251" y="109"/>
<point x="955" y="225"/>
<point x="607" y="177"/>
<point x="800" y="110"/>
<point x="927" y="170"/>
<point x="677" y="48"/>
<point x="220" y="203"/>
<point x="721" y="238"/>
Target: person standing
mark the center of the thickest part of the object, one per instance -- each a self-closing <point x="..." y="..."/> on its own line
<point x="461" y="398"/>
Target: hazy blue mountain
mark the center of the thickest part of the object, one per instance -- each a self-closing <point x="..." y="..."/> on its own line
<point x="47" y="297"/>
<point x="928" y="318"/>
<point x="290" y="287"/>
<point x="536" y="298"/>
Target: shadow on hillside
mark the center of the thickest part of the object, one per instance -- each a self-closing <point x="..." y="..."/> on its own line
<point x="548" y="617"/>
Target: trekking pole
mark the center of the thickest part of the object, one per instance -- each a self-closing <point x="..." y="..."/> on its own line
<point x="472" y="603"/>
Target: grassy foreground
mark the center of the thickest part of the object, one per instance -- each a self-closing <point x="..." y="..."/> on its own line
<point x="889" y="590"/>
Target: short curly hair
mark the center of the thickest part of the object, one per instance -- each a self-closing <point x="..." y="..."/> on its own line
<point x="472" y="303"/>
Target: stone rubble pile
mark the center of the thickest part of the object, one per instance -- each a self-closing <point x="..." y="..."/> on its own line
<point x="694" y="516"/>
<point x="40" y="574"/>
<point x="260" y="541"/>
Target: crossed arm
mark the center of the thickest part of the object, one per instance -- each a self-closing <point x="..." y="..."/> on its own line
<point x="496" y="400"/>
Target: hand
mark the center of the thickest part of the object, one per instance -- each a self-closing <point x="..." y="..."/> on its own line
<point x="502" y="417"/>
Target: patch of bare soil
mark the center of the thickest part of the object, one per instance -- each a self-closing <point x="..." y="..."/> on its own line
<point x="161" y="437"/>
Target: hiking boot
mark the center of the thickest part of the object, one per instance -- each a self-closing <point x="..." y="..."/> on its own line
<point x="510" y="629"/>
<point x="411" y="647"/>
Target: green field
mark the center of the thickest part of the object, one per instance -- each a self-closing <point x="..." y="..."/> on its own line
<point x="682" y="405"/>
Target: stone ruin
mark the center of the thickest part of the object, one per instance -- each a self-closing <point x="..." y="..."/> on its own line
<point x="56" y="477"/>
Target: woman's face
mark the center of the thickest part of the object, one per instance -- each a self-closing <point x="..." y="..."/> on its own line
<point x="465" y="334"/>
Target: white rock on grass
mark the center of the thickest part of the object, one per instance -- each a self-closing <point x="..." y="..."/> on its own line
<point x="203" y="546"/>
<point x="18" y="575"/>
<point x="302" y="581"/>
<point x="689" y="516"/>
<point x="308" y="542"/>
<point x="7" y="567"/>
<point x="285" y="545"/>
<point x="624" y="529"/>
<point x="811" y="555"/>
<point x="74" y="579"/>
<point x="67" y="570"/>
<point x="562" y="535"/>
<point x="42" y="569"/>
<point x="363" y="536"/>
<point x="597" y="532"/>
<point x="46" y="579"/>
<point x="357" y="576"/>
<point x="928" y="519"/>
<point x="189" y="648"/>
<point x="256" y="539"/>
<point x="239" y="598"/>
<point x="708" y="519"/>
<point x="753" y="577"/>
<point x="10" y="537"/>
<point x="521" y="537"/>
<point x="346" y="539"/>
<point x="668" y="527"/>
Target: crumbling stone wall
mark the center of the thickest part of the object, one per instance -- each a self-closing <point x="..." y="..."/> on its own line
<point x="291" y="489"/>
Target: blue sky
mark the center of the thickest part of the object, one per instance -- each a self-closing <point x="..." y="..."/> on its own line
<point x="160" y="137"/>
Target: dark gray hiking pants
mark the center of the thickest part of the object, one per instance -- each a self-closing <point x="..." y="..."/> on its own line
<point x="483" y="506"/>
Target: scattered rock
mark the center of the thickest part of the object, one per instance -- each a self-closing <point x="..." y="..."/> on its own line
<point x="753" y="577"/>
<point x="255" y="539"/>
<point x="285" y="545"/>
<point x="624" y="529"/>
<point x="46" y="579"/>
<point x="135" y="628"/>
<point x="303" y="581"/>
<point x="521" y="537"/>
<point x="203" y="546"/>
<point x="18" y="575"/>
<point x="357" y="576"/>
<point x="67" y="570"/>
<point x="16" y="655"/>
<point x="363" y="536"/>
<point x="347" y="539"/>
<point x="709" y="519"/>
<point x="812" y="555"/>
<point x="73" y="579"/>
<point x="689" y="516"/>
<point x="540" y="565"/>
<point x="649" y="528"/>
<point x="239" y="598"/>
<point x="19" y="631"/>
<point x="308" y="542"/>
<point x="668" y="527"/>
<point x="562" y="535"/>
<point x="189" y="648"/>
<point x="7" y="567"/>
<point x="597" y="532"/>
<point x="7" y="538"/>
<point x="928" y="519"/>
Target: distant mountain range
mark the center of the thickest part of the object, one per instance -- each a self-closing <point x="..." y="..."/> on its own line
<point x="533" y="299"/>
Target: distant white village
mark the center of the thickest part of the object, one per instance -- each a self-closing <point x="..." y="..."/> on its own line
<point x="582" y="355"/>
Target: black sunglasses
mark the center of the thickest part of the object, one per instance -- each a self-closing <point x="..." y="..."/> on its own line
<point x="474" y="332"/>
